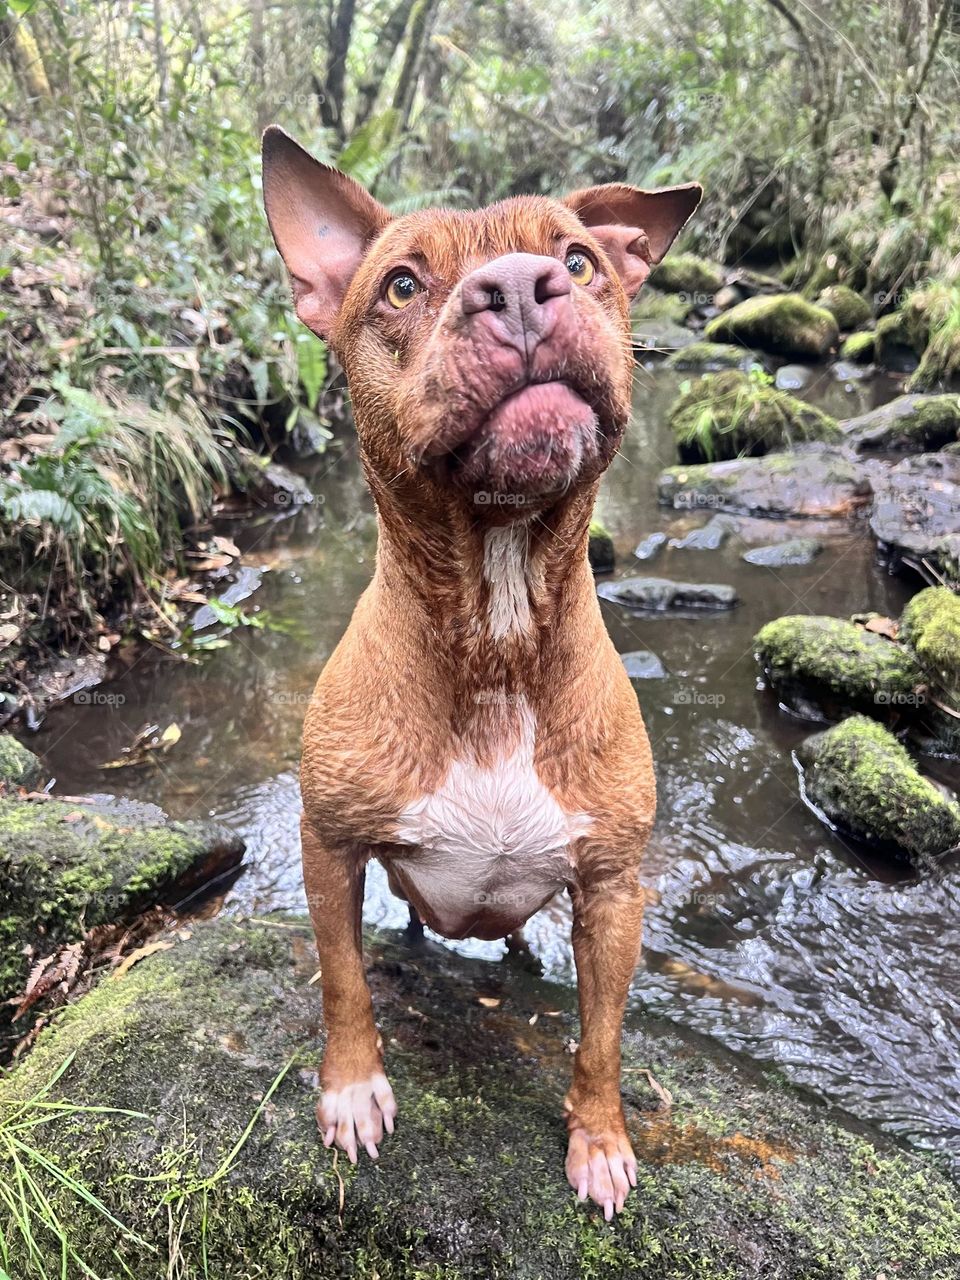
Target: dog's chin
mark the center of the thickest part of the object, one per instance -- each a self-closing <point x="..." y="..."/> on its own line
<point x="536" y="444"/>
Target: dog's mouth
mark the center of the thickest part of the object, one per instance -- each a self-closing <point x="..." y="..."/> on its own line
<point x="535" y="441"/>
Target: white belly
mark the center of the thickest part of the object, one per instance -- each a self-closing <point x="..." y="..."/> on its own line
<point x="489" y="843"/>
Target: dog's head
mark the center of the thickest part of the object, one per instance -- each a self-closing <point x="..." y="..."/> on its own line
<point x="487" y="353"/>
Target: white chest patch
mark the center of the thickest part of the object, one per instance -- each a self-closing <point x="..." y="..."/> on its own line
<point x="506" y="569"/>
<point x="489" y="840"/>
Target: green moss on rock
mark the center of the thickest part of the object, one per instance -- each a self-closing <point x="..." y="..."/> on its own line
<point x="67" y="867"/>
<point x="689" y="274"/>
<point x="471" y="1185"/>
<point x="912" y="423"/>
<point x="786" y="324"/>
<point x="725" y="415"/>
<point x="600" y="549"/>
<point x="813" y="480"/>
<point x="654" y="305"/>
<point x="931" y="626"/>
<point x="859" y="347"/>
<point x="848" y="308"/>
<point x="708" y="355"/>
<point x="18" y="766"/>
<point x="865" y="783"/>
<point x="820" y="657"/>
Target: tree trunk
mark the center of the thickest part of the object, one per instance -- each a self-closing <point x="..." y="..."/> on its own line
<point x="24" y="57"/>
<point x="889" y="173"/>
<point x="331" y="108"/>
<point x="389" y="41"/>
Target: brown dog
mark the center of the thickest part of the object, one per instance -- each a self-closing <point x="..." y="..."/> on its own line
<point x="475" y="730"/>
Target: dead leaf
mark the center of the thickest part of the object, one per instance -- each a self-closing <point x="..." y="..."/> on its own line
<point x="532" y="1021"/>
<point x="888" y="627"/>
<point x="664" y="1094"/>
<point x="127" y="963"/>
<point x="489" y="1002"/>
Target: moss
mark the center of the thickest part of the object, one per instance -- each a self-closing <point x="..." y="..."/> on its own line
<point x="848" y="308"/>
<point x="893" y="336"/>
<point x="600" y="549"/>
<point x="786" y="324"/>
<point x="708" y="355"/>
<point x="725" y="415"/>
<point x="859" y="347"/>
<point x="654" y="305"/>
<point x="931" y="626"/>
<point x="471" y="1185"/>
<point x="688" y="274"/>
<point x="864" y="781"/>
<point x="18" y="766"/>
<point x="932" y="320"/>
<point x="830" y="658"/>
<point x="66" y="868"/>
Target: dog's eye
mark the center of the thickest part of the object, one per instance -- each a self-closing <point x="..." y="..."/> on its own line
<point x="579" y="266"/>
<point x="402" y="290"/>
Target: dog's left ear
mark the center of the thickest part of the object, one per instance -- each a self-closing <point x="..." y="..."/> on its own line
<point x="635" y="227"/>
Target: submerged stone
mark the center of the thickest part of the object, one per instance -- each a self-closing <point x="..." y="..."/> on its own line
<point x="865" y="784"/>
<point x="784" y="324"/>
<point x="709" y="537"/>
<point x="659" y="594"/>
<point x="211" y="1050"/>
<point x="814" y="480"/>
<point x="779" y="554"/>
<point x="650" y="545"/>
<point x="641" y="664"/>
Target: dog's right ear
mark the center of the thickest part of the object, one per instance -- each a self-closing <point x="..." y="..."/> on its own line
<point x="322" y="223"/>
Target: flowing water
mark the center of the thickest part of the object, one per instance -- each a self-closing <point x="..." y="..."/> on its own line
<point x="764" y="929"/>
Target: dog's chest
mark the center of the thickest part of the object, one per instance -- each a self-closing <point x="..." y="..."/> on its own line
<point x="491" y="843"/>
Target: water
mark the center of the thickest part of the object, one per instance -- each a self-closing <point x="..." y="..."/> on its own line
<point x="764" y="929"/>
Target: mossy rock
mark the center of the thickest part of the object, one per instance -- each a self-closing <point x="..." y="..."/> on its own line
<point x="214" y="1045"/>
<point x="930" y="625"/>
<point x="708" y="355"/>
<point x="911" y="423"/>
<point x="651" y="304"/>
<point x="848" y="308"/>
<point x="785" y="324"/>
<point x="814" y="481"/>
<point x="600" y="549"/>
<point x="895" y="344"/>
<point x="932" y="319"/>
<point x="859" y="347"/>
<point x="832" y="663"/>
<point x="866" y="785"/>
<point x="66" y="867"/>
<point x="19" y="767"/>
<point x="729" y="414"/>
<point x="688" y="274"/>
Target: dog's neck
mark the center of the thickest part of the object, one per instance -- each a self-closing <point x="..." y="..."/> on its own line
<point x="487" y="599"/>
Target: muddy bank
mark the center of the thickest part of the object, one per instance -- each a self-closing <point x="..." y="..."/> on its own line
<point x="214" y="1045"/>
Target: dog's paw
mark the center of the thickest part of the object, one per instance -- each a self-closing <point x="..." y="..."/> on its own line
<point x="357" y="1114"/>
<point x="601" y="1167"/>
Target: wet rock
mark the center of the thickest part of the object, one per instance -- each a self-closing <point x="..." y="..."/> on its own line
<point x="786" y="324"/>
<point x="754" y="284"/>
<point x="309" y="437"/>
<point x="650" y="545"/>
<point x="863" y="781"/>
<point x="780" y="554"/>
<point x="245" y="582"/>
<point x="833" y="666"/>
<point x="814" y="480"/>
<point x="652" y="304"/>
<point x="726" y="415"/>
<point x="276" y="486"/>
<point x="659" y="594"/>
<point x="848" y="308"/>
<point x="709" y="537"/>
<point x="688" y="274"/>
<point x="711" y="356"/>
<point x="600" y="549"/>
<point x="859" y="347"/>
<point x="912" y="423"/>
<point x="793" y="377"/>
<point x="68" y="866"/>
<point x="193" y="1047"/>
<point x="18" y="766"/>
<point x="641" y="664"/>
<point x="660" y="336"/>
<point x="916" y="513"/>
<point x="893" y="346"/>
<point x="846" y="372"/>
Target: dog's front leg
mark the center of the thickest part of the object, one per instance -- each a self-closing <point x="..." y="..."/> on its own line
<point x="608" y="915"/>
<point x="357" y="1102"/>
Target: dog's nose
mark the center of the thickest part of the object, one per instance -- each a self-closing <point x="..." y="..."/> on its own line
<point x="520" y="295"/>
